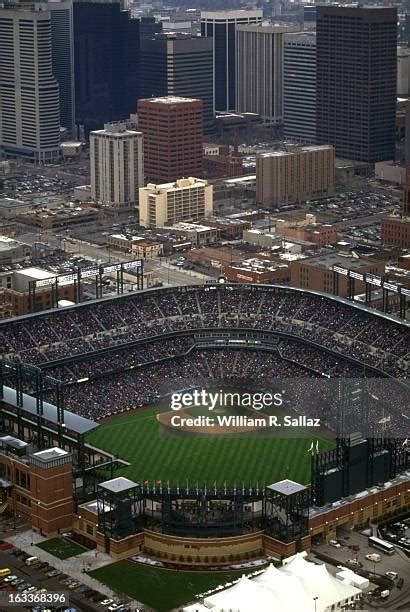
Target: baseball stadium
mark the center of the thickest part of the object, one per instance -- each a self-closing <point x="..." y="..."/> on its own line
<point x="88" y="394"/>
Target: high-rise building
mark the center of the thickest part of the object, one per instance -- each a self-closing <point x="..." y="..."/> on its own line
<point x="172" y="128"/>
<point x="149" y="26"/>
<point x="179" y="65"/>
<point x="299" y="71"/>
<point x="188" y="199"/>
<point x="221" y="26"/>
<point x="29" y="90"/>
<point x="285" y="177"/>
<point x="356" y="80"/>
<point x="106" y="46"/>
<point x="259" y="71"/>
<point x="116" y="164"/>
<point x="403" y="71"/>
<point x="62" y="44"/>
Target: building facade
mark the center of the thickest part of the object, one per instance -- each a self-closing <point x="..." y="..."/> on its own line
<point x="179" y="65"/>
<point x="107" y="47"/>
<point x="396" y="231"/>
<point x="188" y="199"/>
<point x="172" y="128"/>
<point x="40" y="485"/>
<point x="316" y="273"/>
<point x="116" y="164"/>
<point x="356" y="81"/>
<point x="29" y="90"/>
<point x="292" y="177"/>
<point x="299" y="70"/>
<point x="221" y="26"/>
<point x="259" y="71"/>
<point x="62" y="39"/>
<point x="403" y="71"/>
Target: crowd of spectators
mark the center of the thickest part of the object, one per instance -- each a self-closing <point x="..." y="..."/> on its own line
<point x="350" y="331"/>
<point x="132" y="388"/>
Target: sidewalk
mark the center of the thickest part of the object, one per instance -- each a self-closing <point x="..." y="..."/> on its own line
<point x="73" y="566"/>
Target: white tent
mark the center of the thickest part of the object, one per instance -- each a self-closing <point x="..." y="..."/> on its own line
<point x="350" y="577"/>
<point x="298" y="585"/>
<point x="244" y="596"/>
<point x="287" y="589"/>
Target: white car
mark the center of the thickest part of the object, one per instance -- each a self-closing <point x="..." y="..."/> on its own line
<point x="107" y="602"/>
<point x="334" y="543"/>
<point x="10" y="578"/>
<point x="392" y="575"/>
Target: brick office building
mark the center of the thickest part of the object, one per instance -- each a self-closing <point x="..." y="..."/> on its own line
<point x="316" y="273"/>
<point x="39" y="486"/>
<point x="172" y="128"/>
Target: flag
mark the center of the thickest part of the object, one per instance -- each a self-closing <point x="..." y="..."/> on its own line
<point x="317" y="446"/>
<point x="310" y="449"/>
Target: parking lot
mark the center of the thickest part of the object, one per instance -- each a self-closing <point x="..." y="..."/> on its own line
<point x="50" y="574"/>
<point x="397" y="563"/>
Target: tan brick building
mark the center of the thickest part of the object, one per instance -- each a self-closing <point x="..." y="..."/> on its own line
<point x="285" y="177"/>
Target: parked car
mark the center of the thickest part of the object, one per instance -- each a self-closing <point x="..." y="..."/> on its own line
<point x="392" y="575"/>
<point x="400" y="583"/>
<point x="334" y="543"/>
<point x="374" y="557"/>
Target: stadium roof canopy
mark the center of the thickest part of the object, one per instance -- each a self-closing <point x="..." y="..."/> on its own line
<point x="72" y="422"/>
<point x="298" y="585"/>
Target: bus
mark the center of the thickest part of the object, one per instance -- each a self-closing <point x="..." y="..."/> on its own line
<point x="385" y="547"/>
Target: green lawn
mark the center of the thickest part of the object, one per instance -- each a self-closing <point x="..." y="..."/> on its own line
<point x="62" y="548"/>
<point x="156" y="454"/>
<point x="160" y="589"/>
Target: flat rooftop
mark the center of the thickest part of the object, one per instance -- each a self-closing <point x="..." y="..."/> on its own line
<point x="6" y="244"/>
<point x="11" y="203"/>
<point x="12" y="442"/>
<point x="118" y="485"/>
<point x="173" y="100"/>
<point x="50" y="454"/>
<point x="334" y="259"/>
<point x="286" y="487"/>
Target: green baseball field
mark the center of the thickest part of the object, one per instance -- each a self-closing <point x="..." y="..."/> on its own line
<point x="157" y="452"/>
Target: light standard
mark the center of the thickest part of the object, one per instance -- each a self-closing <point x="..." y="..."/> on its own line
<point x="315" y="600"/>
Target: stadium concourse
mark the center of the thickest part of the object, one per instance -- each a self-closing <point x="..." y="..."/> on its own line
<point x="146" y="339"/>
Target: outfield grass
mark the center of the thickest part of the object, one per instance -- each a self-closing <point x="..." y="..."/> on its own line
<point x="62" y="547"/>
<point x="253" y="458"/>
<point x="158" y="588"/>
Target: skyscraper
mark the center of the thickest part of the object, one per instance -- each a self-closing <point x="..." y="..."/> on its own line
<point x="106" y="44"/>
<point x="149" y="26"/>
<point x="116" y="164"/>
<point x="172" y="129"/>
<point x="179" y="65"/>
<point x="259" y="71"/>
<point x="29" y="91"/>
<point x="299" y="71"/>
<point x="221" y="26"/>
<point x="356" y="81"/>
<point x="62" y="39"/>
